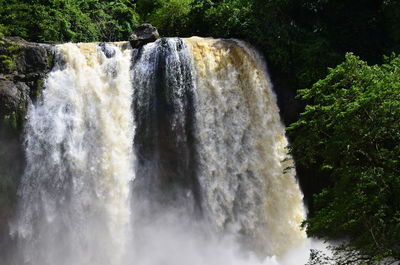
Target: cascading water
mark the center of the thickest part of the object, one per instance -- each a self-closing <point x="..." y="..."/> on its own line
<point x="247" y="179"/>
<point x="170" y="154"/>
<point x="75" y="192"/>
<point x="163" y="110"/>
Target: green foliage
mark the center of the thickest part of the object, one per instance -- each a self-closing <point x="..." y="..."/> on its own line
<point x="39" y="88"/>
<point x="6" y="62"/>
<point x="299" y="38"/>
<point x="170" y="17"/>
<point x="3" y="32"/>
<point x="8" y="54"/>
<point x="64" y="20"/>
<point x="13" y="122"/>
<point x="231" y="18"/>
<point x="350" y="132"/>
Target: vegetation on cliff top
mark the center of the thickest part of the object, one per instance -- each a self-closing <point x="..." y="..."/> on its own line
<point x="299" y="38"/>
<point x="64" y="20"/>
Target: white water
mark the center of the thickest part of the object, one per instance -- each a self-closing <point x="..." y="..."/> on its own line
<point x="248" y="186"/>
<point x="77" y="205"/>
<point x="75" y="192"/>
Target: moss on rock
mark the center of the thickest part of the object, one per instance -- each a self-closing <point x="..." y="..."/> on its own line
<point x="23" y="68"/>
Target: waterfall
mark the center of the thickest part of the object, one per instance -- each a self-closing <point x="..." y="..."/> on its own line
<point x="163" y="107"/>
<point x="75" y="195"/>
<point x="247" y="179"/>
<point x="173" y="153"/>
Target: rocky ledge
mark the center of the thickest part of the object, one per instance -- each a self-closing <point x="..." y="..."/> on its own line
<point x="23" y="67"/>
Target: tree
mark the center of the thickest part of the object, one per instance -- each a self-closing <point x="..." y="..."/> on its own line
<point x="68" y="20"/>
<point x="350" y="134"/>
<point x="172" y="16"/>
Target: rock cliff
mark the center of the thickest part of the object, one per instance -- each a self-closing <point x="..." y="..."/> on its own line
<point x="23" y="67"/>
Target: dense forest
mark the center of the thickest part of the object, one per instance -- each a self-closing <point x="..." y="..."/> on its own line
<point x="339" y="57"/>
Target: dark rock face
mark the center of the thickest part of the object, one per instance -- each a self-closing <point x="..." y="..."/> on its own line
<point x="142" y="35"/>
<point x="23" y="68"/>
<point x="12" y="95"/>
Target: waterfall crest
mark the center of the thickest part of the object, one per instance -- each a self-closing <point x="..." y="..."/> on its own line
<point x="173" y="153"/>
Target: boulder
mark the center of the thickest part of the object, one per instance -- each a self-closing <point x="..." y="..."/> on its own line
<point x="35" y="58"/>
<point x="142" y="35"/>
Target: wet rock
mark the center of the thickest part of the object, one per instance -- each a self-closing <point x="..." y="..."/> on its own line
<point x="108" y="51"/>
<point x="23" y="68"/>
<point x="142" y="35"/>
<point x="12" y="95"/>
<point x="26" y="57"/>
<point x="23" y="75"/>
<point x="34" y="59"/>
